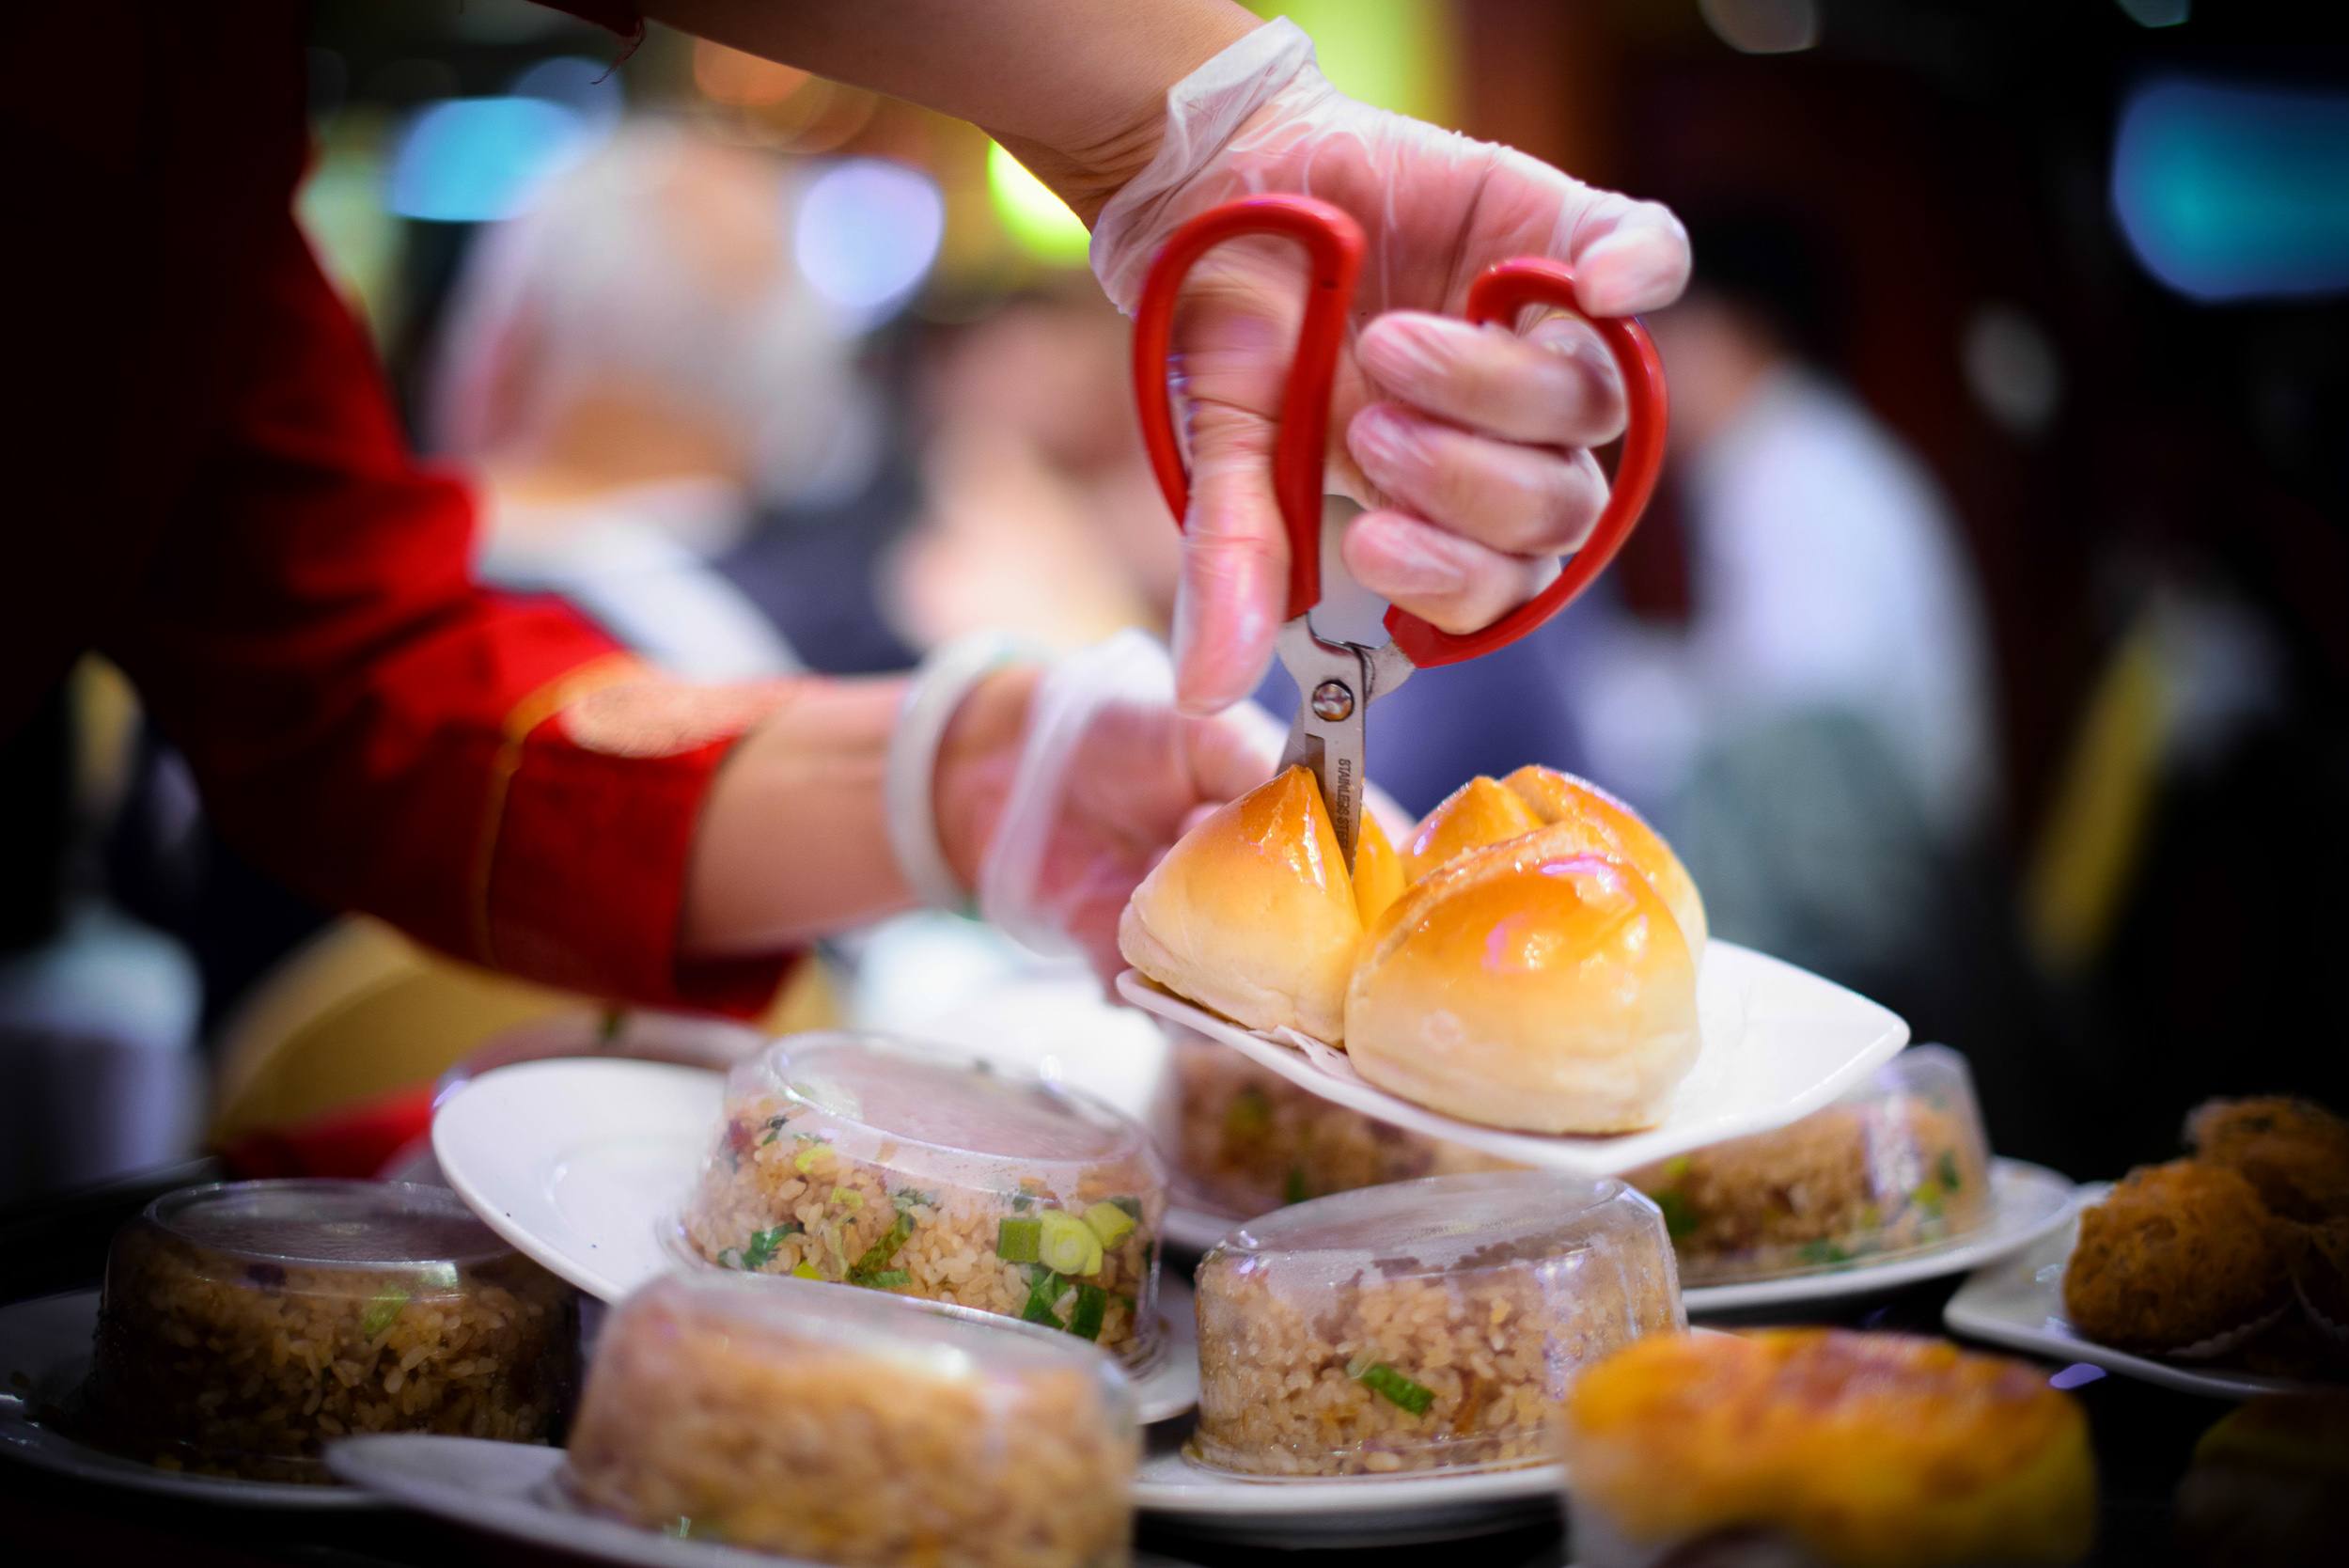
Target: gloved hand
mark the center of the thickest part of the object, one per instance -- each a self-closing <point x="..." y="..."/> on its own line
<point x="1108" y="775"/>
<point x="1469" y="446"/>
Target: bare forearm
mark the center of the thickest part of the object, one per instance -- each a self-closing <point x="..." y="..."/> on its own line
<point x="794" y="840"/>
<point x="1076" y="89"/>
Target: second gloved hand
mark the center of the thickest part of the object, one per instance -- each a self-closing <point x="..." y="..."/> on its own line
<point x="1469" y="445"/>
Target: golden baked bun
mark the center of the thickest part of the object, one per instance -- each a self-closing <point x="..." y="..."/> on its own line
<point x="1252" y="912"/>
<point x="1868" y="1451"/>
<point x="1527" y="985"/>
<point x="1617" y="832"/>
<point x="1378" y="879"/>
<point x="1480" y="812"/>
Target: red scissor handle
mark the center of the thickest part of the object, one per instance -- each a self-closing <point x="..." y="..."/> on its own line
<point x="1332" y="243"/>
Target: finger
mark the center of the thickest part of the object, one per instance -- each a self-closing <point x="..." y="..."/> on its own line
<point x="1521" y="500"/>
<point x="1236" y="563"/>
<point x="1627" y="255"/>
<point x="1455" y="582"/>
<point x="1559" y="386"/>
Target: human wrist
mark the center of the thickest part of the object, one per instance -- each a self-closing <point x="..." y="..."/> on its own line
<point x="1088" y="162"/>
<point x="978" y="758"/>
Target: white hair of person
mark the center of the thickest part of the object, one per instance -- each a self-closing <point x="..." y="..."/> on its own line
<point x="602" y="281"/>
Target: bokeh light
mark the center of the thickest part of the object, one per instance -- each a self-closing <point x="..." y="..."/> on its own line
<point x="867" y="232"/>
<point x="478" y="159"/>
<point x="730" y="76"/>
<point x="1036" y="220"/>
<point x="2229" y="193"/>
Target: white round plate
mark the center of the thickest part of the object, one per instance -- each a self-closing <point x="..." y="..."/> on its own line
<point x="2028" y="1200"/>
<point x="44" y="1354"/>
<point x="1777" y="1042"/>
<point x="514" y="1490"/>
<point x="1351" y="1510"/>
<point x="2019" y="1304"/>
<point x="580" y="1162"/>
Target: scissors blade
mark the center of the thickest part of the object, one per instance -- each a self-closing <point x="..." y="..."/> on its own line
<point x="1333" y="694"/>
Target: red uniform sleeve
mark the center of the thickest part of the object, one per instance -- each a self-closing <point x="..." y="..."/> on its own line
<point x="381" y="733"/>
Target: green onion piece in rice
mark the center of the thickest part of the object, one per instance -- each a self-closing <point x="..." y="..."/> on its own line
<point x="1109" y="1222"/>
<point x="1068" y="1245"/>
<point x="877" y="1256"/>
<point x="1948" y="1168"/>
<point x="1395" y="1389"/>
<point x="887" y="1279"/>
<point x="1680" y="1214"/>
<point x="1018" y="1238"/>
<point x="1293" y="1187"/>
<point x="1043" y="1292"/>
<point x="1092" y="1305"/>
<point x="764" y="1244"/>
<point x="807" y="1271"/>
<point x="382" y="1311"/>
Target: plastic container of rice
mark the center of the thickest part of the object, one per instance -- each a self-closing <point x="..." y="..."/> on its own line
<point x="1425" y="1326"/>
<point x="849" y="1427"/>
<point x="244" y="1327"/>
<point x="854" y="1159"/>
<point x="1244" y="1140"/>
<point x="1898" y="1165"/>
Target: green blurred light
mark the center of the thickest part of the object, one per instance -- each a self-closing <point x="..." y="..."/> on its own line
<point x="1399" y="55"/>
<point x="1038" y="221"/>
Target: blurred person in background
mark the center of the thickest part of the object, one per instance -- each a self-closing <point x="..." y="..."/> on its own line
<point x="1039" y="513"/>
<point x="637" y="377"/>
<point x="293" y="595"/>
<point x="1817" y="735"/>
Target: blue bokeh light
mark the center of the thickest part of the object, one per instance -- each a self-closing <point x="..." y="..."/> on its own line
<point x="865" y="235"/>
<point x="478" y="159"/>
<point x="2233" y="193"/>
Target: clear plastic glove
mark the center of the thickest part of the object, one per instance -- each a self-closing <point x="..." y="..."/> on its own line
<point x="1469" y="446"/>
<point x="1108" y="777"/>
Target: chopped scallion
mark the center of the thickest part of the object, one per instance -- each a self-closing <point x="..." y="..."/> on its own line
<point x="1109" y="1222"/>
<point x="1017" y="1238"/>
<point x="1067" y="1245"/>
<point x="1395" y="1389"/>
<point x="1092" y="1304"/>
<point x="382" y="1311"/>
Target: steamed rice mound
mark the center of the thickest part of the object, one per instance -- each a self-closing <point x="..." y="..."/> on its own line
<point x="2175" y="1255"/>
<point x="700" y="1423"/>
<point x="252" y="1373"/>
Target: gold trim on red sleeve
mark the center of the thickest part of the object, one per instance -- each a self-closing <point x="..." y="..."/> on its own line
<point x="526" y="716"/>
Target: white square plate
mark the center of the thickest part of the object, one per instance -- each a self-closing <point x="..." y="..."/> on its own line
<point x="1775" y="1043"/>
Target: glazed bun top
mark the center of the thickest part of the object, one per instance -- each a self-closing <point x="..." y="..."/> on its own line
<point x="1253" y="914"/>
<point x="1615" y="830"/>
<point x="1378" y="879"/>
<point x="1867" y="1449"/>
<point x="1527" y="985"/>
<point x="1480" y="812"/>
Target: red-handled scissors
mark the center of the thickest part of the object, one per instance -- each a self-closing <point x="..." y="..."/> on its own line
<point x="1337" y="681"/>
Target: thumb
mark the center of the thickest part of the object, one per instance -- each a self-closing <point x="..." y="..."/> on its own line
<point x="1235" y="562"/>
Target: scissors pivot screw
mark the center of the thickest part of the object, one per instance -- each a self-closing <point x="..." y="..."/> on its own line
<point x="1332" y="700"/>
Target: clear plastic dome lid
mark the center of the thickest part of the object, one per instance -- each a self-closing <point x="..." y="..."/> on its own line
<point x="1445" y="1224"/>
<point x="328" y="1224"/>
<point x="917" y="1339"/>
<point x="854" y="1426"/>
<point x="956" y="1103"/>
<point x="1899" y="1164"/>
<point x="1428" y="1324"/>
